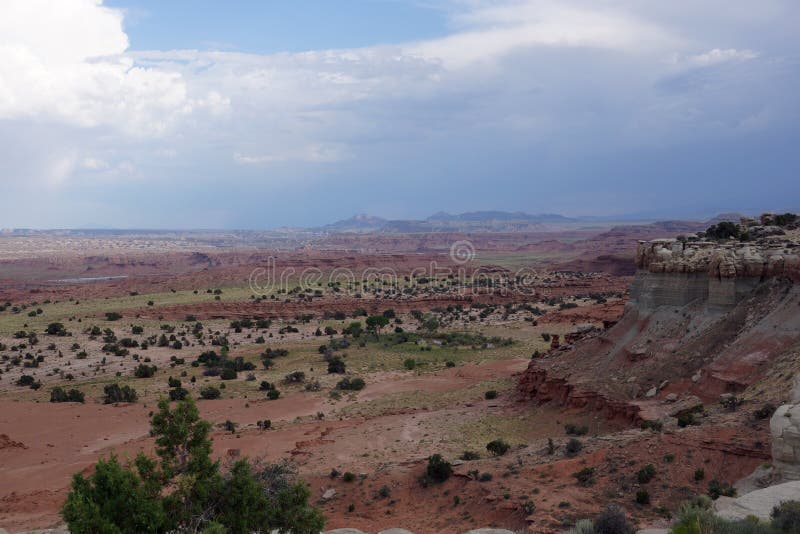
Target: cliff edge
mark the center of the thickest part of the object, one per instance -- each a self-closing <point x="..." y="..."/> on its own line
<point x="715" y="313"/>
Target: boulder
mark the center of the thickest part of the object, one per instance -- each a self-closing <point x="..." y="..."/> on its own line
<point x="489" y="531"/>
<point x="395" y="531"/>
<point x="328" y="495"/>
<point x="784" y="428"/>
<point x="344" y="531"/>
<point x="758" y="503"/>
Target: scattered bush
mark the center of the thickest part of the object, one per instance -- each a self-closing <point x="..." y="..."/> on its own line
<point x="144" y="371"/>
<point x="336" y="365"/>
<point x="765" y="412"/>
<point x="716" y="489"/>
<point x="584" y="526"/>
<point x="228" y="374"/>
<point x="469" y="455"/>
<point x="113" y="393"/>
<point x="210" y="392"/>
<point x="574" y="430"/>
<point x="573" y="447"/>
<point x="58" y="394"/>
<point x="295" y="377"/>
<point x="687" y="419"/>
<point x="646" y="474"/>
<point x="612" y="520"/>
<point x="652" y="425"/>
<point x="497" y="447"/>
<point x="178" y="394"/>
<point x="786" y="516"/>
<point x="585" y="476"/>
<point x="351" y="384"/>
<point x="438" y="469"/>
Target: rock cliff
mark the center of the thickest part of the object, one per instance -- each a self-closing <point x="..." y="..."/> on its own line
<point x="705" y="317"/>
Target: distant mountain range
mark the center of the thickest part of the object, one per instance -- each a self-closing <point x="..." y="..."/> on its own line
<point x="473" y="221"/>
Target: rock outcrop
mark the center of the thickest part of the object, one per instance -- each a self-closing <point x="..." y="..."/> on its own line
<point x="757" y="503"/>
<point x="704" y="318"/>
<point x="770" y="257"/>
<point x="784" y="428"/>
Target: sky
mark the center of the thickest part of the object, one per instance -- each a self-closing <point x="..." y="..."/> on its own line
<point x="267" y="113"/>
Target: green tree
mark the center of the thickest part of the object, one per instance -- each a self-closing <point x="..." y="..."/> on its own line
<point x="244" y="504"/>
<point x="185" y="491"/>
<point x="375" y="323"/>
<point x="113" y="499"/>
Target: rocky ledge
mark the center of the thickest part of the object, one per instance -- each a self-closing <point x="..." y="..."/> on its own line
<point x="722" y="260"/>
<point x="730" y="251"/>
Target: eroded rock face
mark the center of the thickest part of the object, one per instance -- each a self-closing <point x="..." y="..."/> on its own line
<point x="784" y="429"/>
<point x="721" y="260"/>
<point x="757" y="503"/>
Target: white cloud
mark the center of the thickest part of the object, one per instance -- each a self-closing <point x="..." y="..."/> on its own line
<point x="574" y="74"/>
<point x="59" y="168"/>
<point x="94" y="164"/>
<point x="64" y="60"/>
<point x="501" y="28"/>
<point x="715" y="56"/>
<point x="310" y="154"/>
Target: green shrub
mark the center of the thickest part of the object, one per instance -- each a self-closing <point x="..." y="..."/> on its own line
<point x="113" y="393"/>
<point x="178" y="394"/>
<point x="786" y="516"/>
<point x="295" y="377"/>
<point x="228" y="374"/>
<point x="652" y="425"/>
<point x="573" y="430"/>
<point x="717" y="489"/>
<point x="612" y="520"/>
<point x="469" y="456"/>
<point x="646" y="474"/>
<point x="351" y="384"/>
<point x="348" y="476"/>
<point x="58" y="394"/>
<point x="573" y="447"/>
<point x="489" y="395"/>
<point x="209" y="392"/>
<point x="186" y="487"/>
<point x="409" y="364"/>
<point x="438" y="469"/>
<point x="497" y="447"/>
<point x="642" y="497"/>
<point x="336" y="365"/>
<point x="765" y="412"/>
<point x="273" y="394"/>
<point x="585" y="476"/>
<point x="144" y="371"/>
<point x="584" y="526"/>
